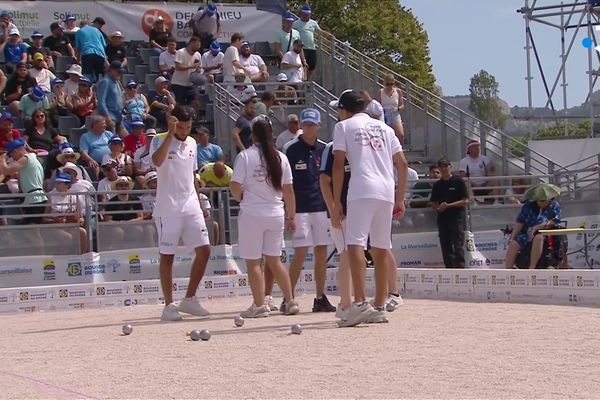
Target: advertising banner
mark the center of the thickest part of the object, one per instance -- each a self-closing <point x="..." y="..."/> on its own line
<point x="135" y="20"/>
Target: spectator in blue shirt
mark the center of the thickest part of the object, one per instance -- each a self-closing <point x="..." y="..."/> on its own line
<point x="15" y="51"/>
<point x="207" y="152"/>
<point x="110" y="97"/>
<point x="90" y="44"/>
<point x="93" y="144"/>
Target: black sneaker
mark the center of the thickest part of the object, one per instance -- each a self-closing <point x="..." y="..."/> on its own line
<point x="323" y="305"/>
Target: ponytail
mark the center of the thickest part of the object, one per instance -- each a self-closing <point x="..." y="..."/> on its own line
<point x="263" y="136"/>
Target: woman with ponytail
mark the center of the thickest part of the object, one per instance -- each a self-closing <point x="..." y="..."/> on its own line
<point x="262" y="184"/>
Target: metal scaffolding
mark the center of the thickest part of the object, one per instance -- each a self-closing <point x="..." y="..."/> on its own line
<point x="569" y="18"/>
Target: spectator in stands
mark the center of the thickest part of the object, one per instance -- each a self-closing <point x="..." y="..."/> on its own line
<point x="90" y="44"/>
<point x="286" y="36"/>
<point x="373" y="108"/>
<point x="476" y="167"/>
<point x="207" y="152"/>
<point x="307" y="27"/>
<point x="67" y="157"/>
<point x="123" y="201"/>
<point x="392" y="101"/>
<point x="142" y="160"/>
<point x="7" y="131"/>
<point x="267" y="100"/>
<point x="135" y="106"/>
<point x="71" y="24"/>
<point x="136" y="138"/>
<point x="242" y="132"/>
<point x="37" y="46"/>
<point x="231" y="59"/>
<point x="286" y="93"/>
<point x="6" y="25"/>
<point x="241" y="91"/>
<point x="216" y="174"/>
<point x="40" y="72"/>
<point x="412" y="177"/>
<point x="40" y="135"/>
<point x="35" y="100"/>
<point x="110" y="97"/>
<point x="84" y="102"/>
<point x="60" y="101"/>
<point x="3" y="81"/>
<point x="166" y="60"/>
<point x="15" y="51"/>
<point x="212" y="63"/>
<point x="292" y="65"/>
<point x="422" y="190"/>
<point x="148" y="200"/>
<point x="80" y="180"/>
<point x="292" y="132"/>
<point x="115" y="51"/>
<point x="72" y="84"/>
<point x="58" y="43"/>
<point x="160" y="36"/>
<point x="187" y="60"/>
<point x="122" y="160"/>
<point x="109" y="169"/>
<point x="206" y="24"/>
<point x="253" y="63"/>
<point x="64" y="207"/>
<point x="17" y="86"/>
<point x="449" y="198"/>
<point x="162" y="101"/>
<point x="515" y="193"/>
<point x="31" y="177"/>
<point x="537" y="214"/>
<point x="94" y="143"/>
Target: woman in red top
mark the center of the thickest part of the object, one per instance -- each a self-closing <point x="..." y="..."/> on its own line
<point x="7" y="132"/>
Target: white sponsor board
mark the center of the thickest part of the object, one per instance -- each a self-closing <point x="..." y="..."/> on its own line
<point x="135" y="20"/>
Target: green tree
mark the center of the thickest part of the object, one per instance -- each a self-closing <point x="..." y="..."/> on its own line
<point x="485" y="101"/>
<point x="579" y="130"/>
<point x="383" y="30"/>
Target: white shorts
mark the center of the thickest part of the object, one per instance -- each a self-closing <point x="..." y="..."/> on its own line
<point x="369" y="217"/>
<point x="339" y="237"/>
<point x="312" y="229"/>
<point x="258" y="236"/>
<point x="392" y="117"/>
<point x="190" y="228"/>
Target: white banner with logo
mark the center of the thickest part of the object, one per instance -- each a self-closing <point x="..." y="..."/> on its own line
<point x="135" y="20"/>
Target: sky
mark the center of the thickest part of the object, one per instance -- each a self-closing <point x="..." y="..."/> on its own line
<point x="466" y="36"/>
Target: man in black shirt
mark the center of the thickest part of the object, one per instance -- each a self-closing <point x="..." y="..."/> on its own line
<point x="58" y="43"/>
<point x="115" y="51"/>
<point x="449" y="198"/>
<point x="37" y="47"/>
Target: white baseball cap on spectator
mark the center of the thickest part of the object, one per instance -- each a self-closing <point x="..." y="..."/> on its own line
<point x="281" y="77"/>
<point x="116" y="34"/>
<point x="160" y="79"/>
<point x="14" y="31"/>
<point x="150" y="176"/>
<point x="69" y="166"/>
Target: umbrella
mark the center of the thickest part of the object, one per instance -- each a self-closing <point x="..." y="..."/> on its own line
<point x="542" y="191"/>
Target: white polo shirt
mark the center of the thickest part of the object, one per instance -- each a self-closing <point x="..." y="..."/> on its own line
<point x="293" y="74"/>
<point x="369" y="145"/>
<point x="208" y="61"/>
<point x="183" y="57"/>
<point x="475" y="168"/>
<point x="167" y="59"/>
<point x="176" y="194"/>
<point x="259" y="199"/>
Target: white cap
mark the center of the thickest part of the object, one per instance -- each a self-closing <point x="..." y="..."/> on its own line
<point x="116" y="34"/>
<point x="160" y="79"/>
<point x="13" y="31"/>
<point x="282" y="77"/>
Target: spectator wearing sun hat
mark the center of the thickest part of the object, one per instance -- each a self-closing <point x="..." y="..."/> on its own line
<point x="123" y="201"/>
<point x="110" y="96"/>
<point x="285" y="37"/>
<point x="212" y="63"/>
<point x="206" y="24"/>
<point x="115" y="51"/>
<point x="80" y="180"/>
<point x="40" y="72"/>
<point x="37" y="46"/>
<point x="90" y="44"/>
<point x="161" y="101"/>
<point x="105" y="192"/>
<point x="35" y="100"/>
<point x="15" y="51"/>
<point x="72" y="83"/>
<point x="58" y="43"/>
<point x="118" y="155"/>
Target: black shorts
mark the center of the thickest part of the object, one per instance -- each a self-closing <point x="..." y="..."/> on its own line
<point x="37" y="208"/>
<point x="185" y="94"/>
<point x="206" y="39"/>
<point x="311" y="59"/>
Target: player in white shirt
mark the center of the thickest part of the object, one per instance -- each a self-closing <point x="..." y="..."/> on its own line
<point x="291" y="63"/>
<point x="372" y="150"/>
<point x="212" y="62"/>
<point x="477" y="167"/>
<point x="177" y="211"/>
<point x="262" y="183"/>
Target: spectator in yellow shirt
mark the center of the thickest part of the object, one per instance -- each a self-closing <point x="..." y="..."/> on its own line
<point x="216" y="174"/>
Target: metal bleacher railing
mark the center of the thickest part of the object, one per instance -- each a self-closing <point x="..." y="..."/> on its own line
<point x="62" y="237"/>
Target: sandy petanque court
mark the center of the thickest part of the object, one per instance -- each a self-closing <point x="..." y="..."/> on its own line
<point x="430" y="349"/>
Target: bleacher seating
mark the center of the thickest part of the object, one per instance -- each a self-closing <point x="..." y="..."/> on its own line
<point x="67" y="123"/>
<point x="140" y="73"/>
<point x="132" y="62"/>
<point x="76" y="134"/>
<point x="154" y="64"/>
<point x="145" y="54"/>
<point x="62" y="64"/>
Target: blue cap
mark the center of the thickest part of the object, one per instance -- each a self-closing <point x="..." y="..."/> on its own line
<point x="4" y="13"/>
<point x="115" y="139"/>
<point x="215" y="46"/>
<point x="131" y="82"/>
<point x="6" y="116"/>
<point x="63" y="177"/>
<point x="38" y="94"/>
<point x="288" y="16"/>
<point x="116" y="65"/>
<point x="137" y="122"/>
<point x="37" y="34"/>
<point x="65" y="145"/>
<point x="85" y="81"/>
<point x="306" y="9"/>
<point x="57" y="81"/>
<point x="70" y="17"/>
<point x="245" y="43"/>
<point x="15" y="144"/>
<point x="211" y="9"/>
<point x="310" y="115"/>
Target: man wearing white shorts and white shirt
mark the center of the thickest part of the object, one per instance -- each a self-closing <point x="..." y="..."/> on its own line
<point x="372" y="150"/>
<point x="312" y="225"/>
<point x="177" y="211"/>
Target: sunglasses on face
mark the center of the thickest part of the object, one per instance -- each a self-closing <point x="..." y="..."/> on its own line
<point x="40" y="116"/>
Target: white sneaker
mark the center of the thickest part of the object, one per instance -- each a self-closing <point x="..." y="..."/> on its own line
<point x="272" y="305"/>
<point x="356" y="314"/>
<point x="377" y="318"/>
<point x="170" y="313"/>
<point x="339" y="313"/>
<point x="255" y="311"/>
<point x="392" y="302"/>
<point x="291" y="307"/>
<point x="192" y="306"/>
